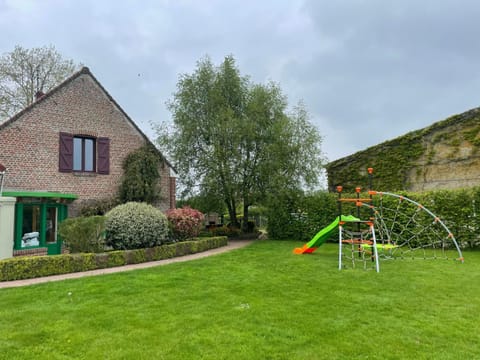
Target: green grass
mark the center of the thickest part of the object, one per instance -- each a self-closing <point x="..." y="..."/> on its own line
<point x="260" y="302"/>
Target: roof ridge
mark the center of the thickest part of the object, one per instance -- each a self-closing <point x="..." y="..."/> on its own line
<point x="83" y="71"/>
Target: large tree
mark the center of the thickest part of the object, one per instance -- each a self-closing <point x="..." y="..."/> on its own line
<point x="24" y="72"/>
<point x="237" y="139"/>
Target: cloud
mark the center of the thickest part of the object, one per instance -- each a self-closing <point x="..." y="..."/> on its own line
<point x="367" y="70"/>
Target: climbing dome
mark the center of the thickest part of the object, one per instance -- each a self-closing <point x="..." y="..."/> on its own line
<point x="391" y="227"/>
<point x="411" y="230"/>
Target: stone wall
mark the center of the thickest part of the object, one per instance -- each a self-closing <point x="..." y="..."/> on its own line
<point x="445" y="155"/>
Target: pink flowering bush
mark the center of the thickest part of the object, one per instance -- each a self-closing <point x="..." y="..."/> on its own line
<point x="185" y="222"/>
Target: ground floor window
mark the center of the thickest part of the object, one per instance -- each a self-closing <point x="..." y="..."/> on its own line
<point x="51" y="226"/>
<point x="30" y="226"/>
<point x="36" y="225"/>
<point x="37" y="215"/>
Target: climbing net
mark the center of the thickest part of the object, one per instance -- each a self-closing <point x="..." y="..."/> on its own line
<point x="358" y="243"/>
<point x="408" y="229"/>
<point x="399" y="228"/>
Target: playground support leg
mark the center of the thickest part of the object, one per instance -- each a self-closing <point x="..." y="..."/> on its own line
<point x="353" y="253"/>
<point x="375" y="250"/>
<point x="340" y="247"/>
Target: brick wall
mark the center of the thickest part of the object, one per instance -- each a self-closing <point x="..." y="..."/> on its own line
<point x="31" y="252"/>
<point x="29" y="145"/>
<point x="173" y="199"/>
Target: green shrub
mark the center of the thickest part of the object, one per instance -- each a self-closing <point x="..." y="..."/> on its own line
<point x="140" y="181"/>
<point x="136" y="256"/>
<point x="28" y="267"/>
<point x="135" y="225"/>
<point x="228" y="231"/>
<point x="83" y="234"/>
<point x="116" y="258"/>
<point x="98" y="207"/>
<point x="39" y="266"/>
<point x="298" y="216"/>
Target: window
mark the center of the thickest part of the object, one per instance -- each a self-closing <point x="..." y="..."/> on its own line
<point x="83" y="153"/>
<point x="51" y="225"/>
<point x="36" y="224"/>
<point x="31" y="226"/>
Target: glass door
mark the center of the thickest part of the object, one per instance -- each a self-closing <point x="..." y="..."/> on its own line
<point x="31" y="226"/>
<point x="51" y="221"/>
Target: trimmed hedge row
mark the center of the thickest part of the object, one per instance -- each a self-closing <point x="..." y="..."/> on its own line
<point x="38" y="266"/>
<point x="299" y="216"/>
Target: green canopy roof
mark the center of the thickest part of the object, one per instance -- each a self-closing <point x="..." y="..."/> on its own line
<point x="40" y="194"/>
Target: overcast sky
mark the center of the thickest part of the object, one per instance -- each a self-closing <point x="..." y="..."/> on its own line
<point x="368" y="71"/>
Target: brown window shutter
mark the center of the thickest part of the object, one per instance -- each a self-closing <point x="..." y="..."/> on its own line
<point x="65" y="158"/>
<point x="103" y="155"/>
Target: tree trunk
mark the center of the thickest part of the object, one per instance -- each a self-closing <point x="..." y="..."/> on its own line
<point x="233" y="214"/>
<point x="245" y="218"/>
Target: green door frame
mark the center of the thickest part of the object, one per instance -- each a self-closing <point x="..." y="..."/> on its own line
<point x="45" y="200"/>
<point x="62" y="213"/>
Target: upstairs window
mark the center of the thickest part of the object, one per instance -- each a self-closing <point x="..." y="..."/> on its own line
<point x="84" y="154"/>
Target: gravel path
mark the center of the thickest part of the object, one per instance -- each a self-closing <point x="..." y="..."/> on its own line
<point x="235" y="244"/>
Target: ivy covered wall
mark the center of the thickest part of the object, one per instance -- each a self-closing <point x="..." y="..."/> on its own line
<point x="442" y="156"/>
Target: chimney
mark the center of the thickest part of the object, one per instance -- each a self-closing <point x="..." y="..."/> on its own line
<point x="38" y="95"/>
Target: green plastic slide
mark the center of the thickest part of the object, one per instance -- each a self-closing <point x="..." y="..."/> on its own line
<point x="323" y="235"/>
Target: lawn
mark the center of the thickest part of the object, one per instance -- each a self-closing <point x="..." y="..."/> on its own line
<point x="259" y="302"/>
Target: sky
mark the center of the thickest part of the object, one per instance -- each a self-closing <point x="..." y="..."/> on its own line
<point x="367" y="70"/>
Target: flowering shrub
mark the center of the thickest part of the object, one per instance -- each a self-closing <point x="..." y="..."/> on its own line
<point x="185" y="222"/>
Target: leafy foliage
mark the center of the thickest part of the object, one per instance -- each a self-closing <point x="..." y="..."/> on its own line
<point x="400" y="161"/>
<point x="98" y="207"/>
<point x="28" y="267"/>
<point x="228" y="231"/>
<point x="204" y="202"/>
<point x="186" y="222"/>
<point x="24" y="72"/>
<point x="295" y="215"/>
<point x="135" y="225"/>
<point x="391" y="168"/>
<point x="83" y="234"/>
<point x="235" y="140"/>
<point x="458" y="209"/>
<point x="141" y="177"/>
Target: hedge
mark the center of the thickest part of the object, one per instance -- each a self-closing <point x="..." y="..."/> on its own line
<point x="28" y="267"/>
<point x="298" y="216"/>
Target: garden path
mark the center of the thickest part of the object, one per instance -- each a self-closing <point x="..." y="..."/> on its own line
<point x="232" y="244"/>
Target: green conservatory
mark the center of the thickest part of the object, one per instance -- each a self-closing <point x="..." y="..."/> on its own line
<point x="37" y="215"/>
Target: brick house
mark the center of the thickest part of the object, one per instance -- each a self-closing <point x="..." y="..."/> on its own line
<point x="66" y="149"/>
